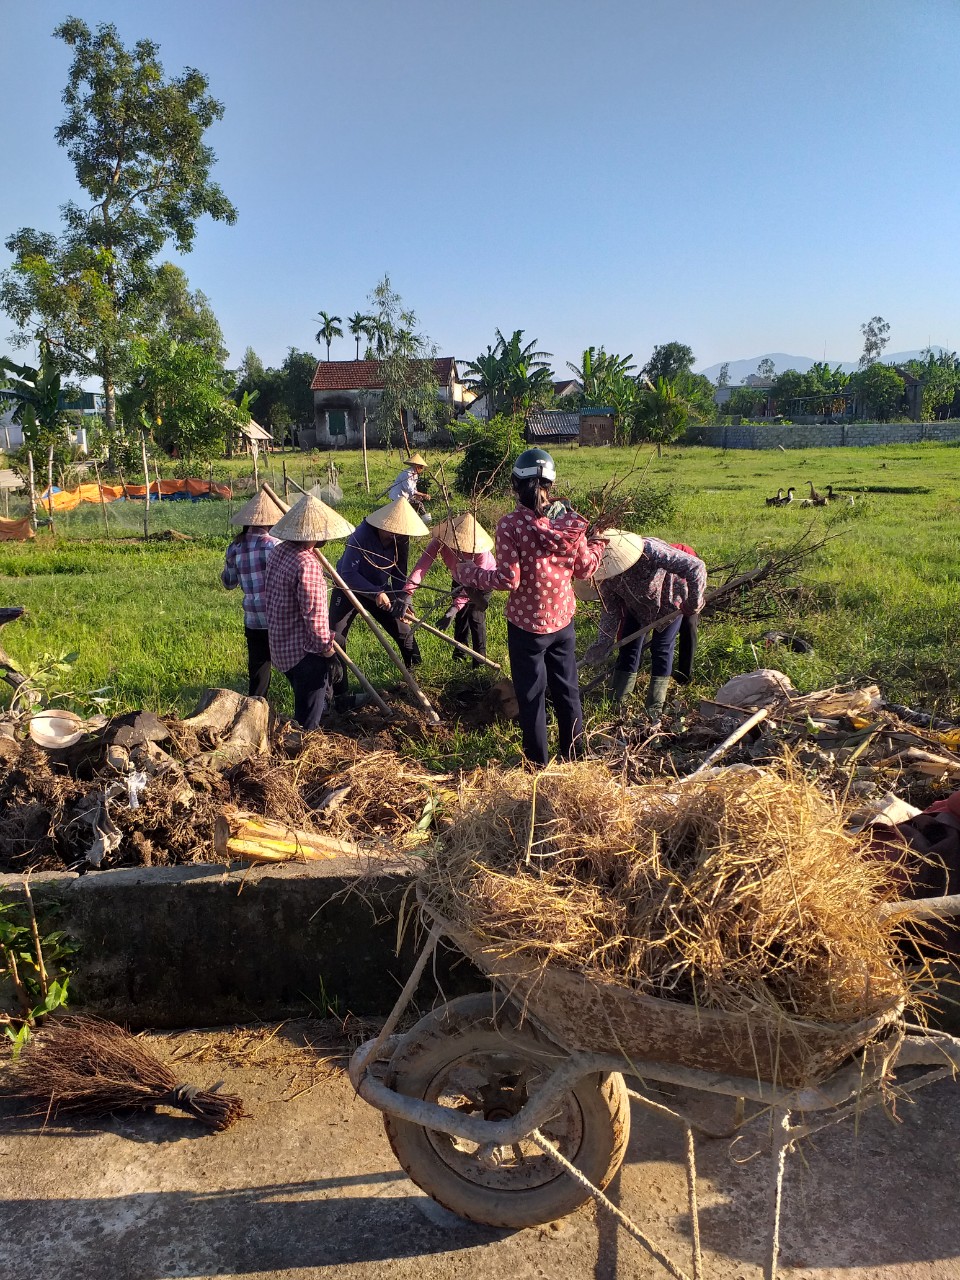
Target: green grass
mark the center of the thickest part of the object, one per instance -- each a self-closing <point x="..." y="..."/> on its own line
<point x="151" y="622"/>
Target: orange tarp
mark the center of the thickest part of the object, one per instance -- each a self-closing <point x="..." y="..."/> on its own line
<point x="68" y="499"/>
<point x="15" y="530"/>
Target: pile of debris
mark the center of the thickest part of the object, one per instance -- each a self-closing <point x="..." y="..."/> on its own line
<point x="141" y="790"/>
<point x="847" y="739"/>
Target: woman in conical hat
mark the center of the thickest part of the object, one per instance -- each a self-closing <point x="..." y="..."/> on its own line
<point x="374" y="567"/>
<point x="407" y="483"/>
<point x="640" y="580"/>
<point x="245" y="567"/>
<point x="295" y="597"/>
<point x="460" y="538"/>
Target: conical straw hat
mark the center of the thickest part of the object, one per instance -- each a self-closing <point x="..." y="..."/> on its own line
<point x="416" y="460"/>
<point x="398" y="517"/>
<point x="623" y="551"/>
<point x="261" y="509"/>
<point x="464" y="534"/>
<point x="584" y="589"/>
<point x="311" y="520"/>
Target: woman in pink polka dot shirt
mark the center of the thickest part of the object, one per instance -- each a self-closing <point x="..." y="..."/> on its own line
<point x="537" y="560"/>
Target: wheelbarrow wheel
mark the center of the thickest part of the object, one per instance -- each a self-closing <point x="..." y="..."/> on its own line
<point x="478" y="1055"/>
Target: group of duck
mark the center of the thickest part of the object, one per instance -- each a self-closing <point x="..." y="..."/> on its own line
<point x="816" y="498"/>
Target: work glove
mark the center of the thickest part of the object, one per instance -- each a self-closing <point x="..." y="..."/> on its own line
<point x="446" y="621"/>
<point x="479" y="599"/>
<point x="556" y="509"/>
<point x="401" y="606"/>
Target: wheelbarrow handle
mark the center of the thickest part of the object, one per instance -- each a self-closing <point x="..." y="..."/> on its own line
<point x="922" y="908"/>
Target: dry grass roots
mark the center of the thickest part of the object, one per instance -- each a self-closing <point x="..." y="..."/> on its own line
<point x="737" y="891"/>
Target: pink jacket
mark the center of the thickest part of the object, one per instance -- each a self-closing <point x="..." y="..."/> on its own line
<point x="484" y="559"/>
<point x="537" y="560"/>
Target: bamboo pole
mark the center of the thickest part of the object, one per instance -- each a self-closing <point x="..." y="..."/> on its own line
<point x="103" y="504"/>
<point x="368" y="618"/>
<point x="286" y="487"/>
<point x="435" y="631"/>
<point x="740" y="732"/>
<point x="33" y="489"/>
<point x="53" y="529"/>
<point x="363" y="446"/>
<point x="352" y="666"/>
<point x="146" y="478"/>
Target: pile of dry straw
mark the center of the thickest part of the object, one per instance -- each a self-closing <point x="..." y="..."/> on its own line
<point x="739" y="891"/>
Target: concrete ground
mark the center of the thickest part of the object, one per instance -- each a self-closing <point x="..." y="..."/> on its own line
<point x="307" y="1186"/>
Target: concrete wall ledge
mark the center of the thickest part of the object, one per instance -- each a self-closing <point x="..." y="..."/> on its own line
<point x="204" y="945"/>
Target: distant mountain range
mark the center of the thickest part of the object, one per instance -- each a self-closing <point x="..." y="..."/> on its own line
<point x="739" y="369"/>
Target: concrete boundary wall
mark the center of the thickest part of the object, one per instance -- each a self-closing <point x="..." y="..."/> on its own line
<point x="753" y="435"/>
<point x="205" y="945"/>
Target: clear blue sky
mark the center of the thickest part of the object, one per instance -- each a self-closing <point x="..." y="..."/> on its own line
<point x="761" y="175"/>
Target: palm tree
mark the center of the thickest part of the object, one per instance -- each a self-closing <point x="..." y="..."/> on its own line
<point x="360" y="326"/>
<point x="329" y="329"/>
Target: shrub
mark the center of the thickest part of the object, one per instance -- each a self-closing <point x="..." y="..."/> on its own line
<point x="489" y="450"/>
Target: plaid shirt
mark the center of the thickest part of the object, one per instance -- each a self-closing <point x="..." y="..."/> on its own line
<point x="296" y="606"/>
<point x="246" y="567"/>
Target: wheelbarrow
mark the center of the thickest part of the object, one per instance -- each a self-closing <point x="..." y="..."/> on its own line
<point x="510" y="1107"/>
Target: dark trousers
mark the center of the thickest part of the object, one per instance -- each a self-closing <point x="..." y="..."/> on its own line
<point x="660" y="643"/>
<point x="686" y="651"/>
<point x="538" y="664"/>
<point x="470" y="627"/>
<point x="342" y="614"/>
<point x="310" y="679"/>
<point x="258" y="661"/>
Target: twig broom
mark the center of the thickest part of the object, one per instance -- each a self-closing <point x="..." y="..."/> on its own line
<point x="88" y="1066"/>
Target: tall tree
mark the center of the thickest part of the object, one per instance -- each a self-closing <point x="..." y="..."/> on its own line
<point x="875" y="338"/>
<point x="183" y="314"/>
<point x="136" y="143"/>
<point x="406" y="364"/>
<point x="329" y="329"/>
<point x="180" y="394"/>
<point x="360" y="326"/>
<point x="880" y="390"/>
<point x="668" y="360"/>
<point x="297" y="373"/>
<point x="723" y="377"/>
<point x="766" y="368"/>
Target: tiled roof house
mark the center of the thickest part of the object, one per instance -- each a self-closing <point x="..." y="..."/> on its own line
<point x="344" y="389"/>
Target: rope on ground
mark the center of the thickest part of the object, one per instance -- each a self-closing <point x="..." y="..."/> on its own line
<point x="693" y="1205"/>
<point x="547" y="1147"/>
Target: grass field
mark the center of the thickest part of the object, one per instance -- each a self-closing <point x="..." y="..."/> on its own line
<point x="151" y="624"/>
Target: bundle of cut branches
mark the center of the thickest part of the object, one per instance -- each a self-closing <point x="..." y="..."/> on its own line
<point x="87" y="1066"/>
<point x="736" y="891"/>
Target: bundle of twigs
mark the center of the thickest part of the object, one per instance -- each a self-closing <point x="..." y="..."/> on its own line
<point x="88" y="1066"/>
